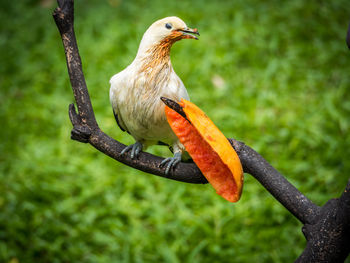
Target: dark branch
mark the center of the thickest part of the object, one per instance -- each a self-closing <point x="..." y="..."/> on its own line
<point x="326" y="229"/>
<point x="64" y="18"/>
<point x="328" y="239"/>
<point x="85" y="129"/>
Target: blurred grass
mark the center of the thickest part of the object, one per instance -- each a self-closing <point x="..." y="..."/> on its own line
<point x="273" y="75"/>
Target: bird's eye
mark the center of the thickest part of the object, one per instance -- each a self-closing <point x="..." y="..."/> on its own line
<point x="168" y="25"/>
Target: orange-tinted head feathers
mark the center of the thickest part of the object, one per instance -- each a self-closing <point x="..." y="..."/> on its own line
<point x="165" y="32"/>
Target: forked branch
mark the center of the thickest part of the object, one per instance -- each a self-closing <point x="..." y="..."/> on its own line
<point x="85" y="129"/>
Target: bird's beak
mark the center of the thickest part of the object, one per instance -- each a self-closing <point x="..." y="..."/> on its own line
<point x="189" y="33"/>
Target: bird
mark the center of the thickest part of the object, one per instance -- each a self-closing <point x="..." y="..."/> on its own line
<point x="135" y="92"/>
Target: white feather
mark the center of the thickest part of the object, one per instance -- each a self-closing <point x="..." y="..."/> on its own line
<point x="135" y="92"/>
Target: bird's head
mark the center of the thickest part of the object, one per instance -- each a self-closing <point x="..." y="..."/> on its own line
<point x="167" y="31"/>
<point x="170" y="29"/>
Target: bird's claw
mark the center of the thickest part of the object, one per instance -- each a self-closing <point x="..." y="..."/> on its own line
<point x="171" y="162"/>
<point x="135" y="149"/>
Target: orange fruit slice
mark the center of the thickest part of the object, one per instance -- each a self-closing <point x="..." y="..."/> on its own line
<point x="209" y="149"/>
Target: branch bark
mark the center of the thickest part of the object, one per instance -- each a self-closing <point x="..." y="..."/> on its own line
<point x="85" y="129"/>
<point x="328" y="238"/>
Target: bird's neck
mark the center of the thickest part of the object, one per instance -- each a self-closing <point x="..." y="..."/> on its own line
<point x="155" y="57"/>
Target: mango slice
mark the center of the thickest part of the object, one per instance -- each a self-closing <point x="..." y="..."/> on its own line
<point x="209" y="149"/>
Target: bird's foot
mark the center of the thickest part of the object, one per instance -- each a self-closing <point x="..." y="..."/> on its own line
<point x="171" y="162"/>
<point x="135" y="148"/>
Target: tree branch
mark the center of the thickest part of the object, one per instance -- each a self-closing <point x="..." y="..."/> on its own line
<point x="85" y="129"/>
<point x="328" y="238"/>
<point x="326" y="229"/>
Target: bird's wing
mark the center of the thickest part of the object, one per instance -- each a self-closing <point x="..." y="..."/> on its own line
<point x="116" y="84"/>
<point x="119" y="121"/>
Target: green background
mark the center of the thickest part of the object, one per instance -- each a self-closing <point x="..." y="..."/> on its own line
<point x="274" y="74"/>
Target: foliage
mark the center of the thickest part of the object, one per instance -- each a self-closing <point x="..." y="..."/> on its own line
<point x="274" y="75"/>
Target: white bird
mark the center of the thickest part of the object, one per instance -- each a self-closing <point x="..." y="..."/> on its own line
<point x="136" y="91"/>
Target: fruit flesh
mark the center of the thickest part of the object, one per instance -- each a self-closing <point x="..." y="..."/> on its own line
<point x="209" y="149"/>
